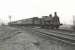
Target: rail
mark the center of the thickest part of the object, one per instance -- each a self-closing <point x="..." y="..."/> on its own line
<point x="57" y="35"/>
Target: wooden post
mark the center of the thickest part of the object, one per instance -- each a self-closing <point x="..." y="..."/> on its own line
<point x="10" y="19"/>
<point x="73" y="20"/>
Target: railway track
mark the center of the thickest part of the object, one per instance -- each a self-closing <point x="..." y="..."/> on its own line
<point x="64" y="37"/>
<point x="57" y="35"/>
<point x="61" y="32"/>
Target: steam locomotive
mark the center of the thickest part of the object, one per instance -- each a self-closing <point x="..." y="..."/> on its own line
<point x="44" y="22"/>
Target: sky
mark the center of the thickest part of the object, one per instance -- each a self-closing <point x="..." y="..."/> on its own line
<point x="20" y="9"/>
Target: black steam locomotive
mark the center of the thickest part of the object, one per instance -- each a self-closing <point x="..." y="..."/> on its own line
<point x="44" y="22"/>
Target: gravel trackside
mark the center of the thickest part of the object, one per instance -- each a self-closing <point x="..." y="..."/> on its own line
<point x="16" y="39"/>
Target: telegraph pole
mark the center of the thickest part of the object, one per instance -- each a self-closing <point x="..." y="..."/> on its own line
<point x="10" y="19"/>
<point x="73" y="20"/>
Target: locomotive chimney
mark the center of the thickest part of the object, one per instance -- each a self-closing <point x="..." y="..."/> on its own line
<point x="55" y="13"/>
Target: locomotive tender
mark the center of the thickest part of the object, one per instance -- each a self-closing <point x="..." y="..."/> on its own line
<point x="44" y="22"/>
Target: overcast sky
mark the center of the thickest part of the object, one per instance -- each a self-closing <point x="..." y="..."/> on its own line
<point x="20" y="9"/>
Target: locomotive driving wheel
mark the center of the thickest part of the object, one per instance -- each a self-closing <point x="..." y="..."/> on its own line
<point x="57" y="26"/>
